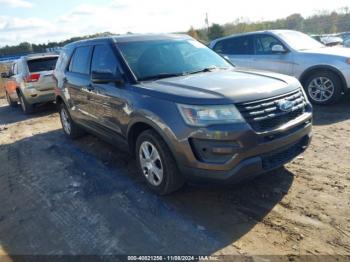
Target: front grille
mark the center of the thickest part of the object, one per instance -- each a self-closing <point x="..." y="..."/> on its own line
<point x="283" y="156"/>
<point x="265" y="115"/>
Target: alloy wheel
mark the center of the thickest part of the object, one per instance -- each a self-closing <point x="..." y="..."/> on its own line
<point x="321" y="89"/>
<point x="151" y="163"/>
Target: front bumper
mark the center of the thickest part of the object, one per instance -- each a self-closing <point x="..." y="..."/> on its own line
<point x="254" y="155"/>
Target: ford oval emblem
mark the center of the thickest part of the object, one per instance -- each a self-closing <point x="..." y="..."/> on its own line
<point x="285" y="105"/>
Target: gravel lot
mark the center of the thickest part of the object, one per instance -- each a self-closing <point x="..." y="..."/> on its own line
<point x="85" y="197"/>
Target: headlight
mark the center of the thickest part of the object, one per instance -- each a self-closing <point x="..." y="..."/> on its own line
<point x="209" y="115"/>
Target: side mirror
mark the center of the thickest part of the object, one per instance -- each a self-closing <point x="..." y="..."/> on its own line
<point x="106" y="77"/>
<point x="278" y="49"/>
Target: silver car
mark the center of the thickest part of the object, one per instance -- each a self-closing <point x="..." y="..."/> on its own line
<point x="323" y="71"/>
<point x="31" y="81"/>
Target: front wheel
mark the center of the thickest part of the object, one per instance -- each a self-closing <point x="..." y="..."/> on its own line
<point x="156" y="164"/>
<point x="323" y="88"/>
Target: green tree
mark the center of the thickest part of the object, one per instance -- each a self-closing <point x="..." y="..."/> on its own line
<point x="25" y="47"/>
<point x="193" y="33"/>
<point x="215" y="31"/>
<point x="294" y="22"/>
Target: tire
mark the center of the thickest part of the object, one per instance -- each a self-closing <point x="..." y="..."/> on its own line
<point x="323" y="88"/>
<point x="26" y="107"/>
<point x="10" y="102"/>
<point x="70" y="128"/>
<point x="171" y="179"/>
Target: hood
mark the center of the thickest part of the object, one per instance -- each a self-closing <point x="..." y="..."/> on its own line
<point x="335" y="51"/>
<point x="221" y="87"/>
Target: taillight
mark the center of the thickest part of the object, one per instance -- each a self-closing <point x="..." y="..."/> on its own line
<point x="32" y="78"/>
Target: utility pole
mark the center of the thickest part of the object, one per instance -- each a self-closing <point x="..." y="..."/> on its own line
<point x="207" y="22"/>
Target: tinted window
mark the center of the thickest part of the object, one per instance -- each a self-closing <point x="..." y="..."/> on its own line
<point x="219" y="47"/>
<point x="104" y="60"/>
<point x="264" y="44"/>
<point x="149" y="59"/>
<point x="80" y="62"/>
<point x="44" y="64"/>
<point x="236" y="46"/>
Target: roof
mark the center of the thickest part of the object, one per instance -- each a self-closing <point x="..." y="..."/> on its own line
<point x="149" y="37"/>
<point x="40" y="55"/>
<point x="275" y="31"/>
<point x="132" y="38"/>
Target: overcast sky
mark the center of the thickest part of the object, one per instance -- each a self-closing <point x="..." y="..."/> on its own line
<point x="40" y="21"/>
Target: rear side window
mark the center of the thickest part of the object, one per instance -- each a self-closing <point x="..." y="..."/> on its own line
<point x="243" y="45"/>
<point x="104" y="60"/>
<point x="42" y="64"/>
<point x="80" y="62"/>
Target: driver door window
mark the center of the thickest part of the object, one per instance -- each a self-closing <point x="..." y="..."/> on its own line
<point x="267" y="60"/>
<point x="104" y="60"/>
<point x="264" y="44"/>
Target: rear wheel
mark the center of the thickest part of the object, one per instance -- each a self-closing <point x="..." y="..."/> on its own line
<point x="70" y="128"/>
<point x="26" y="107"/>
<point x="10" y="102"/>
<point x="156" y="164"/>
<point x="323" y="88"/>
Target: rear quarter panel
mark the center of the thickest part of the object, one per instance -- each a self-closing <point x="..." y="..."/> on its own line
<point x="10" y="86"/>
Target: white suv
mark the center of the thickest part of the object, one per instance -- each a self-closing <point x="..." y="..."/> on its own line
<point x="323" y="71"/>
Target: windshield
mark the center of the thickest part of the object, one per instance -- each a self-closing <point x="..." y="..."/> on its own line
<point x="166" y="58"/>
<point x="300" y="41"/>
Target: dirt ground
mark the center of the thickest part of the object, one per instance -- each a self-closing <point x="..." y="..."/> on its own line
<point x="85" y="197"/>
<point x="2" y="90"/>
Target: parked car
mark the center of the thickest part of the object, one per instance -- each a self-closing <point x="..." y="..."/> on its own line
<point x="346" y="43"/>
<point x="328" y="40"/>
<point x="323" y="71"/>
<point x="180" y="108"/>
<point x="332" y="40"/>
<point x="31" y="82"/>
<point x="345" y="36"/>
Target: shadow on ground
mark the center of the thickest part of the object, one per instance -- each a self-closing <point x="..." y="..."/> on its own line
<point x="85" y="197"/>
<point x="325" y="115"/>
<point x="11" y="115"/>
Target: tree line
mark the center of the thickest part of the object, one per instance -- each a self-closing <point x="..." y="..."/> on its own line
<point x="26" y="47"/>
<point x="320" y="23"/>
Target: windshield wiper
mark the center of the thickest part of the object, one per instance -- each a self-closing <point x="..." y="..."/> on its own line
<point x="160" y="76"/>
<point x="207" y="69"/>
<point x="167" y="75"/>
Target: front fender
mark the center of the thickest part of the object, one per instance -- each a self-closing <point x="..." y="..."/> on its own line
<point x="158" y="124"/>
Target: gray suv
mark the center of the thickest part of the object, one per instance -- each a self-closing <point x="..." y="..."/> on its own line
<point x="323" y="71"/>
<point x="181" y="109"/>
